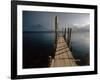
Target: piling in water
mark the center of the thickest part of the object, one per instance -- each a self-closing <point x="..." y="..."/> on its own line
<point x="69" y="36"/>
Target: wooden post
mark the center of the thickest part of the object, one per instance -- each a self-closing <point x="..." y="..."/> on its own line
<point x="69" y="36"/>
<point x="65" y="34"/>
<point x="70" y="32"/>
<point x="56" y="27"/>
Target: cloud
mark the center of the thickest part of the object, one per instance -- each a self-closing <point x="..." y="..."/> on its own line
<point x="80" y="25"/>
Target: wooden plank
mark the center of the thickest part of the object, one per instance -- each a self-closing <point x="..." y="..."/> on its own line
<point x="63" y="55"/>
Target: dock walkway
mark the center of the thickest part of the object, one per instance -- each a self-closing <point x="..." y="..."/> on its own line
<point x="63" y="55"/>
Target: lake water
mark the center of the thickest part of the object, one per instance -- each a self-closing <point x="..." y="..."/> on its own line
<point x="37" y="46"/>
<point x="80" y="47"/>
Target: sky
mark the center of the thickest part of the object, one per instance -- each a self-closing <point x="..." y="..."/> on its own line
<point x="44" y="21"/>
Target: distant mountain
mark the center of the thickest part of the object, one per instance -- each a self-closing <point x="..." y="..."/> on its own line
<point x="37" y="27"/>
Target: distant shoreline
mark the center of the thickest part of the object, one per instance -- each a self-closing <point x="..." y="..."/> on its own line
<point x="50" y="31"/>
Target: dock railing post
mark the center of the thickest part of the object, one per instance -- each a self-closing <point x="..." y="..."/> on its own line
<point x="69" y="36"/>
<point x="65" y="34"/>
<point x="55" y="44"/>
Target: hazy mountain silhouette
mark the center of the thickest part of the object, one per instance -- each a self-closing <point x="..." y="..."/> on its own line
<point x="37" y="27"/>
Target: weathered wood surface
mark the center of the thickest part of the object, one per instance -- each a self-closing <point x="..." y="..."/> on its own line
<point x="63" y="56"/>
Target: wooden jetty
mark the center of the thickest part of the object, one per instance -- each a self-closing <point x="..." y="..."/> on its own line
<point x="62" y="56"/>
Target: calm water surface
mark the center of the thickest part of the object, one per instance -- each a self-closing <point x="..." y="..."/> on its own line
<point x="80" y="47"/>
<point x="37" y="46"/>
